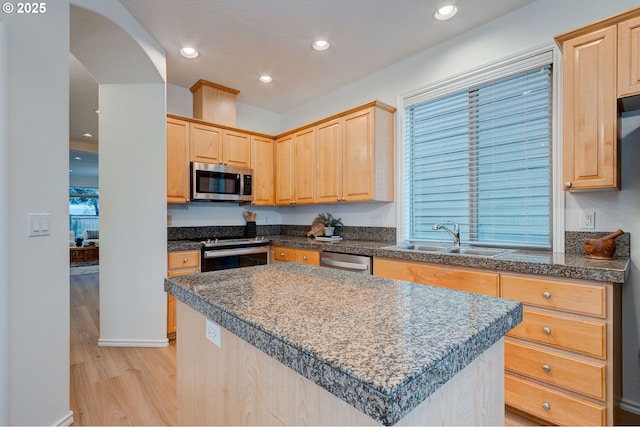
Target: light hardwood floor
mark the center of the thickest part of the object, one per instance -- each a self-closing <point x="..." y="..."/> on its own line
<point x="115" y="385"/>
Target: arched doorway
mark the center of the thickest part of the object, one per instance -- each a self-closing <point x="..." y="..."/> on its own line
<point x="131" y="76"/>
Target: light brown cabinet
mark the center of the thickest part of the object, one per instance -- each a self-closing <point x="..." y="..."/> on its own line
<point x="344" y="158"/>
<point x="562" y="363"/>
<point x="210" y="144"/>
<point x="629" y="57"/>
<point x="179" y="264"/>
<point x="302" y="256"/>
<point x="601" y="65"/>
<point x="367" y="155"/>
<point x="177" y="161"/>
<point x="262" y="153"/>
<point x="590" y="111"/>
<point x="295" y="168"/>
<point x="444" y="276"/>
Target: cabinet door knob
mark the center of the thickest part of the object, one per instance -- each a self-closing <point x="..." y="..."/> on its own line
<point x="547" y="294"/>
<point x="546" y="330"/>
<point x="567" y="184"/>
<point x="546" y="368"/>
<point x="546" y="406"/>
<point x="185" y="260"/>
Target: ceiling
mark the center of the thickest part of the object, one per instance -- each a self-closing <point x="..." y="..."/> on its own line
<point x="239" y="40"/>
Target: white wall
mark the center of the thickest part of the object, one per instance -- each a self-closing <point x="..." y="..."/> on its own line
<point x="526" y="28"/>
<point x="4" y="247"/>
<point x="132" y="213"/>
<point x="37" y="268"/>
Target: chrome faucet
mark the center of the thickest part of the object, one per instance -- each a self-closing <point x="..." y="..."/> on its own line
<point x="455" y="234"/>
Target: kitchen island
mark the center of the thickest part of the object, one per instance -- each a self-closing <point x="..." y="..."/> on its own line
<point x="310" y="345"/>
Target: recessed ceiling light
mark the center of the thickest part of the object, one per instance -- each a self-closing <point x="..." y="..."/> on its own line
<point x="87" y="135"/>
<point x="189" y="52"/>
<point x="445" y="12"/>
<point x="320" y="45"/>
<point x="265" y="78"/>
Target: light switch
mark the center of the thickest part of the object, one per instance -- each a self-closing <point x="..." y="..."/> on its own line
<point x="38" y="224"/>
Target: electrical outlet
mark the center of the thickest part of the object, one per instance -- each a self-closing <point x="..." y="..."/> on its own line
<point x="214" y="333"/>
<point x="587" y="220"/>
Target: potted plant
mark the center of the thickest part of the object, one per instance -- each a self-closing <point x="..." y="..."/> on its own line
<point x="330" y="223"/>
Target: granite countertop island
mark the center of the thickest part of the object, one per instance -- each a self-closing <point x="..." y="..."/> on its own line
<point x="382" y="346"/>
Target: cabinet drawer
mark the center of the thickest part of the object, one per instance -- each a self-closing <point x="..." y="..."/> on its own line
<point x="179" y="260"/>
<point x="442" y="275"/>
<point x="584" y="336"/>
<point x="307" y="257"/>
<point x="577" y="375"/>
<point x="551" y="405"/>
<point x="572" y="297"/>
<point x="284" y="254"/>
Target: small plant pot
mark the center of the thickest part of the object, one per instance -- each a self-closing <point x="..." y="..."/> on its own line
<point x="328" y="231"/>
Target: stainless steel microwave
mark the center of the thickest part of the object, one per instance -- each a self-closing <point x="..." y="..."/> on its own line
<point x="221" y="183"/>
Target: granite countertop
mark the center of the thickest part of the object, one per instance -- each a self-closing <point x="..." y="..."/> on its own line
<point x="381" y="345"/>
<point x="569" y="265"/>
<point x="574" y="266"/>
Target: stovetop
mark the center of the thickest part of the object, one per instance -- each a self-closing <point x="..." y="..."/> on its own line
<point x="245" y="241"/>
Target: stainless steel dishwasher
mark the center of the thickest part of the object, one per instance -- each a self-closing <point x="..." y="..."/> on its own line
<point x="348" y="262"/>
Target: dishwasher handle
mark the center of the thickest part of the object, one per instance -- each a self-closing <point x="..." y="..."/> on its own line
<point x="342" y="264"/>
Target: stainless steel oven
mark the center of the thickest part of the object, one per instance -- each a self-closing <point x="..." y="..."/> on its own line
<point x="223" y="254"/>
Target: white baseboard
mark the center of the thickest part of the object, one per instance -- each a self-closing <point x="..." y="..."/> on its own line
<point x="67" y="420"/>
<point x="104" y="342"/>
<point x="630" y="406"/>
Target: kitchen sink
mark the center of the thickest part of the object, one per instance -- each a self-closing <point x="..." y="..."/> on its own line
<point x="450" y="249"/>
<point x="474" y="251"/>
<point x="423" y="248"/>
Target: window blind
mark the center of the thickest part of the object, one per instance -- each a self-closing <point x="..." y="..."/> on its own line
<point x="481" y="157"/>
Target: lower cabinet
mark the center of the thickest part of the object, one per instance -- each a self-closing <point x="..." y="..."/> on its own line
<point x="563" y="362"/>
<point x="179" y="264"/>
<point x="303" y="256"/>
<point x="445" y="276"/>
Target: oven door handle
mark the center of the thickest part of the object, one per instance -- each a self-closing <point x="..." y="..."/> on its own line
<point x="237" y="251"/>
<point x="350" y="265"/>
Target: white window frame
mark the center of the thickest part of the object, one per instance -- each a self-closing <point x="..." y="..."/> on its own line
<point x="484" y="73"/>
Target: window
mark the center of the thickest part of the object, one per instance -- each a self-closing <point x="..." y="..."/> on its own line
<point x="84" y="210"/>
<point x="480" y="156"/>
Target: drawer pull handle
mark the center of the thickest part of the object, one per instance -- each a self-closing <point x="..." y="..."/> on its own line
<point x="546" y="330"/>
<point x="305" y="258"/>
<point x="546" y="406"/>
<point x="547" y="294"/>
<point x="185" y="260"/>
<point x="546" y="368"/>
<point x="281" y="253"/>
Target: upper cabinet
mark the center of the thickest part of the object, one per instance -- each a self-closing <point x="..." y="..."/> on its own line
<point x="601" y="64"/>
<point x="344" y="158"/>
<point x="629" y="57"/>
<point x="295" y="168"/>
<point x="590" y="115"/>
<point x="210" y="144"/>
<point x="177" y="161"/>
<point x="262" y="153"/>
